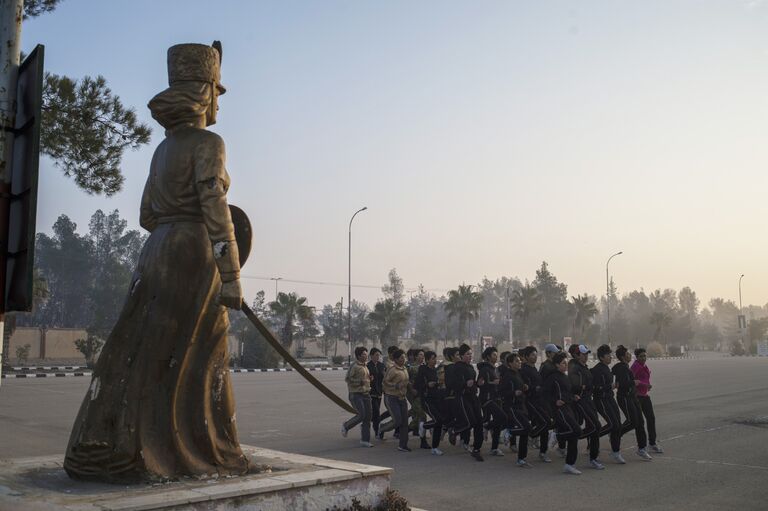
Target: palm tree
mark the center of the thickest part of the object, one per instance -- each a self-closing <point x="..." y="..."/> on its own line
<point x="525" y="302"/>
<point x="390" y="316"/>
<point x="288" y="308"/>
<point x="661" y="320"/>
<point x="464" y="304"/>
<point x="583" y="310"/>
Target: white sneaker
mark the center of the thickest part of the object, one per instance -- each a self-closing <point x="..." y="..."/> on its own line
<point x="524" y="464"/>
<point x="552" y="439"/>
<point x="561" y="452"/>
<point x="344" y="431"/>
<point x="543" y="457"/>
<point x="496" y="452"/>
<point x="596" y="465"/>
<point x="644" y="454"/>
<point x="657" y="449"/>
<point x="570" y="469"/>
<point x="365" y="444"/>
<point x="618" y="458"/>
<point x="437" y="452"/>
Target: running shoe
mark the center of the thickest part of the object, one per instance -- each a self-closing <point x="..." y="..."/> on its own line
<point x="596" y="465"/>
<point x="644" y="454"/>
<point x="657" y="449"/>
<point x="404" y="449"/>
<point x="505" y="436"/>
<point x="365" y="444"/>
<point x="477" y="455"/>
<point x="437" y="452"/>
<point x="543" y="457"/>
<point x="618" y="458"/>
<point x="344" y="431"/>
<point x="570" y="469"/>
<point x="561" y="452"/>
<point x="552" y="439"/>
<point x="496" y="452"/>
<point x="523" y="464"/>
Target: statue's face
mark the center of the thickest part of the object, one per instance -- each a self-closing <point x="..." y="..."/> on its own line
<point x="210" y="117"/>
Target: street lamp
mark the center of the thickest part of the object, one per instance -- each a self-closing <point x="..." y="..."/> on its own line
<point x="608" y="297"/>
<point x="276" y="279"/>
<point x="349" y="290"/>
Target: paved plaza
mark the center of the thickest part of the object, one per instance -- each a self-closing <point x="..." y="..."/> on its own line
<point x="712" y="418"/>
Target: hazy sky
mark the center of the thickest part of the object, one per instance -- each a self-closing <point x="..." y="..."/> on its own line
<point x="484" y="137"/>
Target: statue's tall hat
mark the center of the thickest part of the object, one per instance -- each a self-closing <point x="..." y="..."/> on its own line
<point x="195" y="62"/>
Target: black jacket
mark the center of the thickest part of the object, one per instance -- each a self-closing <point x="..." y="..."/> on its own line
<point x="488" y="373"/>
<point x="602" y="381"/>
<point x="377" y="384"/>
<point x="558" y="388"/>
<point x="625" y="379"/>
<point x="456" y="379"/>
<point x="511" y="382"/>
<point x="535" y="382"/>
<point x="424" y="376"/>
<point x="581" y="379"/>
<point x="547" y="368"/>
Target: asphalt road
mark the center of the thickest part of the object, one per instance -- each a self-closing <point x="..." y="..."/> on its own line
<point x="714" y="458"/>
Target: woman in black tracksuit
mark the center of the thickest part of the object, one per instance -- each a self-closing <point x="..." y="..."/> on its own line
<point x="627" y="400"/>
<point x="581" y="379"/>
<point x="538" y="409"/>
<point x="376" y="369"/>
<point x="558" y="388"/>
<point x="462" y="381"/>
<point x="432" y="398"/>
<point x="602" y="395"/>
<point x="512" y="390"/>
<point x="493" y="414"/>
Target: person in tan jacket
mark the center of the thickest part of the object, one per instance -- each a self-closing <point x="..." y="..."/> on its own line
<point x="395" y="387"/>
<point x="359" y="384"/>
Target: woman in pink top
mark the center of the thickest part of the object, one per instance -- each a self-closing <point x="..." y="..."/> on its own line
<point x="643" y="383"/>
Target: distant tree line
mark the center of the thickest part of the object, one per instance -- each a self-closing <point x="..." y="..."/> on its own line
<point x="82" y="280"/>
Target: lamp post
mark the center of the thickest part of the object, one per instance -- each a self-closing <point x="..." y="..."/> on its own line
<point x="608" y="297"/>
<point x="349" y="290"/>
<point x="741" y="314"/>
<point x="276" y="279"/>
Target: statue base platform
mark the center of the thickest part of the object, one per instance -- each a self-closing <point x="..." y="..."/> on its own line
<point x="292" y="481"/>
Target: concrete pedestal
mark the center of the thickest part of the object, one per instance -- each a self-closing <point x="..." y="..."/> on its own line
<point x="294" y="482"/>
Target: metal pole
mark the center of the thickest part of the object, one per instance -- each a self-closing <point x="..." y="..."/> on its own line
<point x="509" y="320"/>
<point x="608" y="298"/>
<point x="349" y="290"/>
<point x="10" y="54"/>
<point x="276" y="279"/>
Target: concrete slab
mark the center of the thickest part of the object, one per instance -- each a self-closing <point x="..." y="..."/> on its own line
<point x="289" y="482"/>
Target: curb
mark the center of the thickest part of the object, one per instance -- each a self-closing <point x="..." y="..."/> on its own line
<point x="28" y="374"/>
<point x="49" y="368"/>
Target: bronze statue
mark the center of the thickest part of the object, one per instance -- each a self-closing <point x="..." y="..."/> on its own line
<point x="160" y="404"/>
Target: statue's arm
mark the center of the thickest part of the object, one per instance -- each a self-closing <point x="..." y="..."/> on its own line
<point x="212" y="183"/>
<point x="147" y="217"/>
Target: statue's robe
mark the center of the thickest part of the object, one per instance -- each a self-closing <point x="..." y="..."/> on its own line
<point x="160" y="404"/>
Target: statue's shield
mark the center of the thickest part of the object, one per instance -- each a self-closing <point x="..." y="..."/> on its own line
<point x="243" y="232"/>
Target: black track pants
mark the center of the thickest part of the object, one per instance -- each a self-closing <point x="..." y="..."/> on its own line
<point x="609" y="411"/>
<point x="469" y="406"/>
<point x="435" y="409"/>
<point x="496" y="419"/>
<point x="634" y="419"/>
<point x="519" y="424"/>
<point x="646" y="406"/>
<point x="591" y="428"/>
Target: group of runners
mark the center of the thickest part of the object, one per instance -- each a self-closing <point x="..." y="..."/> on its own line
<point x="507" y="398"/>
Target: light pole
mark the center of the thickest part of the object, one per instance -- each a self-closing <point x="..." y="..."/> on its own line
<point x="608" y="297"/>
<point x="349" y="290"/>
<point x="741" y="314"/>
<point x="276" y="279"/>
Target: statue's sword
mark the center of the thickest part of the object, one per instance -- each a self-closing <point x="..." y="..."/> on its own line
<point x="272" y="340"/>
